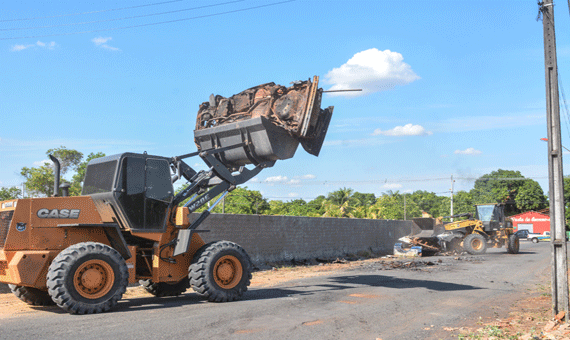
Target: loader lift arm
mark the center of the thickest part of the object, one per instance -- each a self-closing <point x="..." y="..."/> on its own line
<point x="206" y="185"/>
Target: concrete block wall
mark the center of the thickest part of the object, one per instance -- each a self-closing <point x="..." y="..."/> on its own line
<point x="283" y="238"/>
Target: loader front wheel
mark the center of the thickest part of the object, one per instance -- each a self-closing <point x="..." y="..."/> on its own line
<point x="87" y="278"/>
<point x="162" y="289"/>
<point x="32" y="296"/>
<point x="220" y="271"/>
<point x="475" y="244"/>
<point x="513" y="244"/>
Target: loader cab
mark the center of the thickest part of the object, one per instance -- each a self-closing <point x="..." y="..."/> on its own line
<point x="133" y="190"/>
<point x="492" y="216"/>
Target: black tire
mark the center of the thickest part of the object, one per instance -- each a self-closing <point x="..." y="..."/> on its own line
<point x="475" y="244"/>
<point x="32" y="296"/>
<point x="513" y="244"/>
<point x="534" y="240"/>
<point x="220" y="271"/>
<point x="87" y="278"/>
<point x="162" y="289"/>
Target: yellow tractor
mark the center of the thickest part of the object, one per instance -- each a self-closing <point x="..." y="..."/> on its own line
<point x="489" y="228"/>
<point x="129" y="225"/>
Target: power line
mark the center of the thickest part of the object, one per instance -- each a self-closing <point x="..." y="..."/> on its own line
<point x="154" y="23"/>
<point x="92" y="12"/>
<point x="385" y="181"/>
<point x="124" y="18"/>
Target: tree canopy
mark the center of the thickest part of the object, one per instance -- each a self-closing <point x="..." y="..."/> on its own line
<point x="509" y="187"/>
<point x="10" y="193"/>
<point x="39" y="180"/>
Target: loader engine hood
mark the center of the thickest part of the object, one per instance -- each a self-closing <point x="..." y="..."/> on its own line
<point x="134" y="190"/>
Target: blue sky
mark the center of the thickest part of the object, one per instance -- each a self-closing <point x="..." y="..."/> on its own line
<point x="450" y="87"/>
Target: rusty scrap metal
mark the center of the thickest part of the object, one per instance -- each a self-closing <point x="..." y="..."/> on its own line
<point x="288" y="107"/>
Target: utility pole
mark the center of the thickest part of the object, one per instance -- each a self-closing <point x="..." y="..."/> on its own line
<point x="559" y="273"/>
<point x="404" y="207"/>
<point x="451" y="195"/>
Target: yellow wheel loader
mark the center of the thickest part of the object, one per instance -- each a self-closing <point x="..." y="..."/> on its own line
<point x="489" y="228"/>
<point x="129" y="226"/>
<point x="474" y="234"/>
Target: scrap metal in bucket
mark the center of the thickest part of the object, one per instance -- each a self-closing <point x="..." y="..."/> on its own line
<point x="268" y="121"/>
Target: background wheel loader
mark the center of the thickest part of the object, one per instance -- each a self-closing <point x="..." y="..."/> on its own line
<point x="488" y="228"/>
<point x="128" y="226"/>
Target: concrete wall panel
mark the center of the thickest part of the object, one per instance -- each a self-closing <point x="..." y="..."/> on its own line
<point x="283" y="238"/>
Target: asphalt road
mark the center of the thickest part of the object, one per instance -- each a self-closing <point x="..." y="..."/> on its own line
<point x="369" y="302"/>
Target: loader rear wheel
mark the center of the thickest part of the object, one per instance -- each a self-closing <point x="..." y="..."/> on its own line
<point x="475" y="244"/>
<point x="32" y="296"/>
<point x="220" y="271"/>
<point x="161" y="289"/>
<point x="87" y="278"/>
<point x="513" y="244"/>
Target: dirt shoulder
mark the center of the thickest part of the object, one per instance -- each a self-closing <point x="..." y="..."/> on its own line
<point x="529" y="318"/>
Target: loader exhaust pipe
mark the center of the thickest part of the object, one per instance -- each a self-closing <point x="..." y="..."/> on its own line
<point x="56" y="171"/>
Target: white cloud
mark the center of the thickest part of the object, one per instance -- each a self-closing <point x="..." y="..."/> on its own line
<point x="406" y="130"/>
<point x="293" y="194"/>
<point x="276" y="179"/>
<point x="17" y="48"/>
<point x="468" y="151"/>
<point x="102" y="42"/>
<point x="49" y="46"/>
<point x="372" y="71"/>
<point x="308" y="176"/>
<point x="294" y="181"/>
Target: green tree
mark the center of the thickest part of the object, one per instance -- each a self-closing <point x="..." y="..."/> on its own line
<point x="364" y="200"/>
<point x="341" y="196"/>
<point x="316" y="206"/>
<point x="337" y="210"/>
<point x="530" y="196"/>
<point x="297" y="207"/>
<point x="391" y="206"/>
<point x="462" y="203"/>
<point x="428" y="202"/>
<point x="241" y="201"/>
<point x="10" y="193"/>
<point x="39" y="181"/>
<point x="69" y="159"/>
<point x="503" y="186"/>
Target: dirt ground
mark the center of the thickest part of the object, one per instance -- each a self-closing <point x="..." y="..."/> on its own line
<point x="530" y="318"/>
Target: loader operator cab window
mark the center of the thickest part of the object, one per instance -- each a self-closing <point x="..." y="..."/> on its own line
<point x="491" y="215"/>
<point x="486" y="213"/>
<point x="99" y="178"/>
<point x="146" y="192"/>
